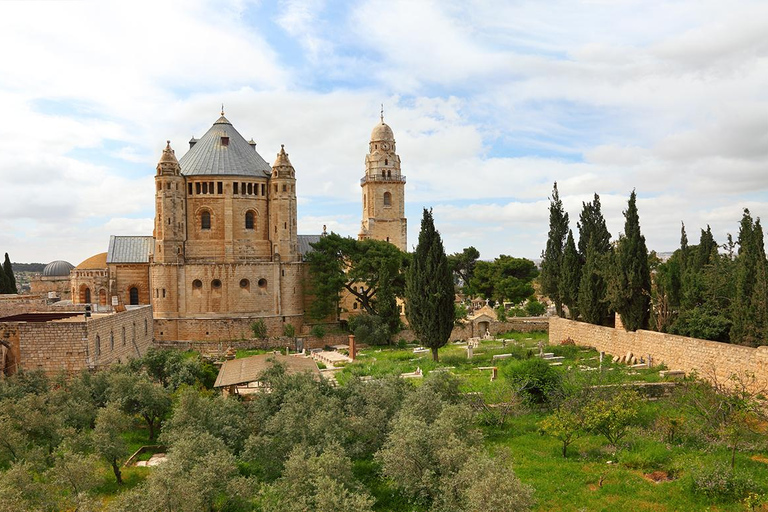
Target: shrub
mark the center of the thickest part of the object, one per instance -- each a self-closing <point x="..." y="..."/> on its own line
<point x="535" y="308"/>
<point x="289" y="331"/>
<point x="318" y="331"/>
<point x="259" y="329"/>
<point x="719" y="482"/>
<point x="370" y="329"/>
<point x="535" y="380"/>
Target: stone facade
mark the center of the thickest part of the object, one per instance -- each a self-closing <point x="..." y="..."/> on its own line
<point x="709" y="359"/>
<point x="76" y="343"/>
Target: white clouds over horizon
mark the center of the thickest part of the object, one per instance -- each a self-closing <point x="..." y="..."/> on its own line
<point x="489" y="104"/>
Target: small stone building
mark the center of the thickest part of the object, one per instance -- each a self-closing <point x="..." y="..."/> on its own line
<point x="241" y="376"/>
<point x="53" y="280"/>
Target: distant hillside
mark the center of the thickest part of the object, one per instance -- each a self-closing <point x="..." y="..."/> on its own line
<point x="27" y="267"/>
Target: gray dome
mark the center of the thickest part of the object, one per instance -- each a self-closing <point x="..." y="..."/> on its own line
<point x="58" y="268"/>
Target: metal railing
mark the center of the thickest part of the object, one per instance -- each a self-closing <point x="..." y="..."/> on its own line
<point x="382" y="177"/>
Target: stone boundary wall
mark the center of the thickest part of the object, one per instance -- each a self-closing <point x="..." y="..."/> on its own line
<point x="36" y="303"/>
<point x="75" y="344"/>
<point x="710" y="359"/>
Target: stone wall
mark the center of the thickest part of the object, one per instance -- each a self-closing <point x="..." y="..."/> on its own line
<point x="710" y="359"/>
<point x="221" y="329"/>
<point x="36" y="303"/>
<point x="75" y="344"/>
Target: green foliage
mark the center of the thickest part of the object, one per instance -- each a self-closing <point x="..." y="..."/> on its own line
<point x="460" y="313"/>
<point x="107" y="438"/>
<point x="289" y="331"/>
<point x="593" y="303"/>
<point x="721" y="483"/>
<point x="501" y="313"/>
<point x="318" y="331"/>
<point x="611" y="415"/>
<point x="463" y="266"/>
<point x="136" y="394"/>
<point x="552" y="256"/>
<point x="506" y="279"/>
<point x="564" y="424"/>
<point x="173" y="368"/>
<point x="369" y="329"/>
<point x="358" y="266"/>
<point x="629" y="286"/>
<point x="259" y="329"/>
<point x="592" y="227"/>
<point x="429" y="289"/>
<point x="535" y="380"/>
<point x="703" y="323"/>
<point x="8" y="278"/>
<point x="571" y="276"/>
<point x="749" y="309"/>
<point x="534" y="308"/>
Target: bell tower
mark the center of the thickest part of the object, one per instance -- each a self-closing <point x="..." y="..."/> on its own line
<point x="383" y="190"/>
<point x="170" y="218"/>
<point x="282" y="209"/>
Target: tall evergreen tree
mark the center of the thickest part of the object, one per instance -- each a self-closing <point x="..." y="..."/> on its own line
<point x="429" y="289"/>
<point x="3" y="281"/>
<point x="10" y="279"/>
<point x="592" y="225"/>
<point x="749" y="311"/>
<point x="593" y="304"/>
<point x="683" y="248"/>
<point x="707" y="249"/>
<point x="571" y="276"/>
<point x="552" y="257"/>
<point x="630" y="283"/>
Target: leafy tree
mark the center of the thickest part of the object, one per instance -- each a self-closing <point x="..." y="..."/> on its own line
<point x="463" y="266"/>
<point x="259" y="329"/>
<point x="593" y="303"/>
<point x="386" y="304"/>
<point x="369" y="329"/>
<point x="571" y="277"/>
<point x="357" y="266"/>
<point x="137" y="395"/>
<point x="486" y="483"/>
<point x="173" y="368"/>
<point x="535" y="380"/>
<point x="107" y="438"/>
<point x="630" y="283"/>
<point x="289" y="331"/>
<point x="460" y="313"/>
<point x="506" y="279"/>
<point x="534" y="308"/>
<point x="323" y="482"/>
<point x="429" y="289"/>
<point x="612" y="415"/>
<point x="10" y="279"/>
<point x="564" y="424"/>
<point x="552" y="256"/>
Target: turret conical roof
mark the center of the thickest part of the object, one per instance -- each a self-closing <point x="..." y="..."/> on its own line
<point x="223" y="151"/>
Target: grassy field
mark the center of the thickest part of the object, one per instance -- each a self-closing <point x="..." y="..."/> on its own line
<point x="646" y="472"/>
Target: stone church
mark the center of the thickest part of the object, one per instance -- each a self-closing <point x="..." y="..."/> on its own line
<point x="225" y="250"/>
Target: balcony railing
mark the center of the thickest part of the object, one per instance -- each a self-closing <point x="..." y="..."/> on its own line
<point x="382" y="177"/>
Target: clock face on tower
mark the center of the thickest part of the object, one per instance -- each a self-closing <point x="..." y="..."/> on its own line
<point x="385" y="146"/>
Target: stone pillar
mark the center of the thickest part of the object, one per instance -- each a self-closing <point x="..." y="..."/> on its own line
<point x="352" y="348"/>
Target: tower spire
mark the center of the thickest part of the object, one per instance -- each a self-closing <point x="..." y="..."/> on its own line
<point x="382" y="113"/>
<point x="222" y="109"/>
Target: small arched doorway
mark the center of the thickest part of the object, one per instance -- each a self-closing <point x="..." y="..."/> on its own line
<point x="133" y="296"/>
<point x="87" y="295"/>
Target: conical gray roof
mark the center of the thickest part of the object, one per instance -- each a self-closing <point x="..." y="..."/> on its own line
<point x="211" y="156"/>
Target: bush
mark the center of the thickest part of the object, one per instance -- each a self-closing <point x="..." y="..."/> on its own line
<point x="318" y="331"/>
<point x="535" y="308"/>
<point x="289" y="331"/>
<point x="259" y="329"/>
<point x="370" y="329"/>
<point x="535" y="380"/>
<point x="718" y="482"/>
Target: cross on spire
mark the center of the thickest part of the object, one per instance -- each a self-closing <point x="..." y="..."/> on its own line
<point x="382" y="112"/>
<point x="222" y="109"/>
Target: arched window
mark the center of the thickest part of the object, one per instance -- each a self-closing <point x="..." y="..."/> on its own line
<point x="87" y="295"/>
<point x="133" y="296"/>
<point x="145" y="327"/>
<point x="387" y="199"/>
<point x="98" y="346"/>
<point x="386" y="161"/>
<point x="111" y="341"/>
<point x="123" y="335"/>
<point x="197" y="284"/>
<point x="205" y="220"/>
<point x="248" y="220"/>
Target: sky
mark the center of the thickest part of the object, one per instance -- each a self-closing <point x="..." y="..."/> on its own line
<point x="490" y="102"/>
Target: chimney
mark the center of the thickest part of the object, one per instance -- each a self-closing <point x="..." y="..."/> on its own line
<point x="192" y="142"/>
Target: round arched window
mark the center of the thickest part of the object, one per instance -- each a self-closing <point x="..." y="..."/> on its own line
<point x="197" y="284"/>
<point x="248" y="220"/>
<point x="387" y="199"/>
<point x="262" y="283"/>
<point x="205" y="220"/>
<point x="244" y="283"/>
<point x="216" y="283"/>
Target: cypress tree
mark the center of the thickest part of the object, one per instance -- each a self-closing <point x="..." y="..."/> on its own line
<point x="592" y="225"/>
<point x="552" y="257"/>
<point x="683" y="248"/>
<point x="10" y="279"/>
<point x="630" y="283"/>
<point x="3" y="281"/>
<point x="593" y="304"/>
<point x="429" y="289"/>
<point x="571" y="276"/>
<point x="749" y="312"/>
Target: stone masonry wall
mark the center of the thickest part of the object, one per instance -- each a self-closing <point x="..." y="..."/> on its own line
<point x="76" y="344"/>
<point x="710" y="359"/>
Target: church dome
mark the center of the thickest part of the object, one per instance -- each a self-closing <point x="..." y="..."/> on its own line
<point x="97" y="261"/>
<point x="382" y="131"/>
<point x="58" y="268"/>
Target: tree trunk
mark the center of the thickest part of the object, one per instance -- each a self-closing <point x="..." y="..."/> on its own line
<point x="151" y="425"/>
<point x="434" y="354"/>
<point x="565" y="447"/>
<point x="116" y="470"/>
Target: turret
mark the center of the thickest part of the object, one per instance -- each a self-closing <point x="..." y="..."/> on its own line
<point x="170" y="220"/>
<point x="282" y="209"/>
